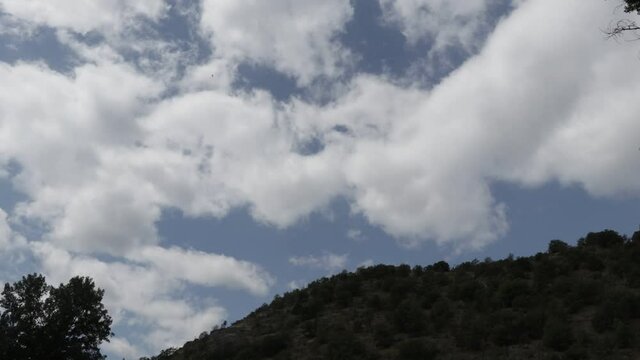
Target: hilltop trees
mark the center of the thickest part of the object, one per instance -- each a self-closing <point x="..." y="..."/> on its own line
<point x="577" y="301"/>
<point x="39" y="321"/>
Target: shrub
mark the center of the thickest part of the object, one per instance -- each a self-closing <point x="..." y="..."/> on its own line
<point x="417" y="349"/>
<point x="557" y="334"/>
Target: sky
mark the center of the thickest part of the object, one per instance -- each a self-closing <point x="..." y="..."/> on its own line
<point x="196" y="158"/>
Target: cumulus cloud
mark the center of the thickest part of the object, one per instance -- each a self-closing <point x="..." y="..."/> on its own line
<point x="202" y="268"/>
<point x="241" y="152"/>
<point x="417" y="164"/>
<point x="295" y="37"/>
<point x="85" y="16"/>
<point x="446" y="32"/>
<point x="328" y="261"/>
<point x="529" y="98"/>
<point x="112" y="31"/>
<point x="122" y="347"/>
<point x="561" y="117"/>
<point x="446" y="23"/>
<point x="57" y="131"/>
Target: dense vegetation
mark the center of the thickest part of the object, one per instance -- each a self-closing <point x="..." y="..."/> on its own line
<point x="570" y="302"/>
<point x="632" y="5"/>
<point x="38" y="321"/>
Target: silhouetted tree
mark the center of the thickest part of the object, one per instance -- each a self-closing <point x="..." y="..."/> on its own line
<point x="44" y="322"/>
<point x="603" y="239"/>
<point x="440" y="266"/>
<point x="23" y="318"/>
<point x="557" y="246"/>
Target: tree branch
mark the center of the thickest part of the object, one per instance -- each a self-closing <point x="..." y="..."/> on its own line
<point x="623" y="26"/>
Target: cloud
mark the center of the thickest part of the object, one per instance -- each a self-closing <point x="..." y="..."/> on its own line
<point x="445" y="33"/>
<point x="417" y="164"/>
<point x="295" y="284"/>
<point x="356" y="235"/>
<point x="15" y="255"/>
<point x="5" y="231"/>
<point x="83" y="17"/>
<point x="147" y="290"/>
<point x="327" y="261"/>
<point x="293" y="36"/>
<point x="121" y="347"/>
<point x="446" y="23"/>
<point x="240" y="151"/>
<point x="402" y="174"/>
<point x="535" y="109"/>
<point x="563" y="124"/>
<point x="113" y="31"/>
<point x="201" y="268"/>
<point x="366" y="263"/>
<point x="61" y="138"/>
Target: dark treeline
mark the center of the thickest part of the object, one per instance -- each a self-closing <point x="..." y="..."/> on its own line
<point x="39" y="321"/>
<point x="570" y="302"/>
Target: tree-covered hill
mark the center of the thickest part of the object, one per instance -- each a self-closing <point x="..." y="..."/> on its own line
<point x="571" y="302"/>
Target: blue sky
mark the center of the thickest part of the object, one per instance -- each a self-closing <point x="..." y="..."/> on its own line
<point x="197" y="158"/>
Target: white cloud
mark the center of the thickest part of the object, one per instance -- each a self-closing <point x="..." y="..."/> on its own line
<point x="295" y="284"/>
<point x="201" y="268"/>
<point x="58" y="138"/>
<point x="446" y="23"/>
<point x="5" y="231"/>
<point x="327" y="261"/>
<point x="418" y="164"/>
<point x="447" y="32"/>
<point x="12" y="243"/>
<point x="356" y="235"/>
<point x="532" y="107"/>
<point x="570" y="114"/>
<point x="366" y="263"/>
<point x="240" y="152"/>
<point x="121" y="347"/>
<point x="148" y="289"/>
<point x="15" y="254"/>
<point x="293" y="36"/>
<point x="83" y="16"/>
<point x="104" y="31"/>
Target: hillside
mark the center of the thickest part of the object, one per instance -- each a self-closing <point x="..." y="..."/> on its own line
<point x="571" y="302"/>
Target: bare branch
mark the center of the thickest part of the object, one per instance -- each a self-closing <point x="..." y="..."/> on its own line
<point x="623" y="26"/>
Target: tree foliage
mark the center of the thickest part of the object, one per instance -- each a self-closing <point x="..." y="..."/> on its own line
<point x="39" y="321"/>
<point x="571" y="302"/>
<point x="632" y="5"/>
